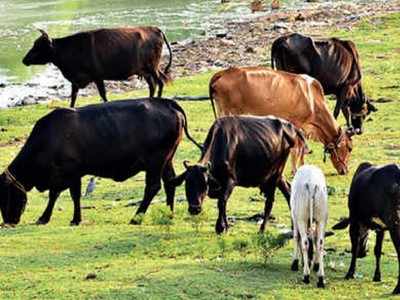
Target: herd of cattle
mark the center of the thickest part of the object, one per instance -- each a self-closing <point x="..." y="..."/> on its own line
<point x="265" y="115"/>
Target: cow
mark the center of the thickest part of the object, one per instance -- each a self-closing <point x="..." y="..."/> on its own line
<point x="105" y="54"/>
<point x="296" y="98"/>
<point x="247" y="151"/>
<point x="374" y="204"/>
<point x="115" y="140"/>
<point x="309" y="206"/>
<point x="334" y="63"/>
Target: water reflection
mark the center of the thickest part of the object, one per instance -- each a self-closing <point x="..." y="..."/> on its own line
<point x="180" y="19"/>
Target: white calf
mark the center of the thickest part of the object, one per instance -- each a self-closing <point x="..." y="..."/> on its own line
<point x="309" y="205"/>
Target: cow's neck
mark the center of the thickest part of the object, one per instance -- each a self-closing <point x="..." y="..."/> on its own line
<point x="326" y="127"/>
<point x="20" y="173"/>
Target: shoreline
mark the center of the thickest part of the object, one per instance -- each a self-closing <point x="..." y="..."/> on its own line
<point x="239" y="44"/>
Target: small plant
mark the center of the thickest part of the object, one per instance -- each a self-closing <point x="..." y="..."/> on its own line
<point x="164" y="218"/>
<point x="198" y="221"/>
<point x="222" y="246"/>
<point x="267" y="244"/>
<point x="241" y="245"/>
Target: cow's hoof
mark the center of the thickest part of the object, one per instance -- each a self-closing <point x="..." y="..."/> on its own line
<point x="42" y="222"/>
<point x="135" y="221"/>
<point x="320" y="283"/>
<point x="377" y="277"/>
<point x="396" y="290"/>
<point x="316" y="267"/>
<point x="349" y="276"/>
<point x="74" y="223"/>
<point x="306" y="279"/>
<point x="219" y="228"/>
<point x="295" y="265"/>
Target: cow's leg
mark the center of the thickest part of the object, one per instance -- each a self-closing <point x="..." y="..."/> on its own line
<point x="159" y="82"/>
<point x="338" y="107"/>
<point x="269" y="194"/>
<point x="169" y="174"/>
<point x="153" y="185"/>
<point x="319" y="257"/>
<point x="346" y="114"/>
<point x="102" y="89"/>
<point x="45" y="218"/>
<point x="74" y="94"/>
<point x="150" y="82"/>
<point x="296" y="245"/>
<point x="395" y="235"/>
<point x="378" y="251"/>
<point x="222" y="221"/>
<point x="294" y="158"/>
<point x="304" y="250"/>
<point x="75" y="191"/>
<point x="284" y="187"/>
<point x="354" y="237"/>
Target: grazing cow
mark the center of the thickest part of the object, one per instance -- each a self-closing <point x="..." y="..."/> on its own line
<point x="374" y="204"/>
<point x="334" y="63"/>
<point x="309" y="206"/>
<point x="114" y="140"/>
<point x="296" y="98"/>
<point x="245" y="151"/>
<point x="104" y="54"/>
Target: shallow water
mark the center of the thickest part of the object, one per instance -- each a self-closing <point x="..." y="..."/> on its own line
<point x="180" y="19"/>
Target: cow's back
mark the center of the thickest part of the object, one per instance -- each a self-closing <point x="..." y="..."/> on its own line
<point x="373" y="191"/>
<point x="262" y="91"/>
<point x="250" y="148"/>
<point x="114" y="140"/>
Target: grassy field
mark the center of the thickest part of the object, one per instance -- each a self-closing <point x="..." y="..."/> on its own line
<point x="183" y="258"/>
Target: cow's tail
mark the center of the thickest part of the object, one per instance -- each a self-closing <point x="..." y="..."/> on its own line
<point x="273" y="54"/>
<point x="301" y="137"/>
<point x="211" y="90"/>
<point x="166" y="74"/>
<point x="342" y="224"/>
<point x="275" y="49"/>
<point x="177" y="107"/>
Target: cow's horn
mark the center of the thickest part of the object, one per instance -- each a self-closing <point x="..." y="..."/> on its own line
<point x="44" y="33"/>
<point x="186" y="164"/>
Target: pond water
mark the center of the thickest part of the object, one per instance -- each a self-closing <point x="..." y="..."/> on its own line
<point x="180" y="19"/>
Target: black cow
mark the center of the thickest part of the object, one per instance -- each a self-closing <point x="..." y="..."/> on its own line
<point x="114" y="140"/>
<point x="243" y="151"/>
<point x="104" y="54"/>
<point x="334" y="63"/>
<point x="374" y="203"/>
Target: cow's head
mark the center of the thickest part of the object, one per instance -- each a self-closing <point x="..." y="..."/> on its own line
<point x="42" y="51"/>
<point x="340" y="151"/>
<point x="359" y="106"/>
<point x="12" y="200"/>
<point x="198" y="182"/>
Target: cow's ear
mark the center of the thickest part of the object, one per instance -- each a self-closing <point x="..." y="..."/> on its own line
<point x="178" y="180"/>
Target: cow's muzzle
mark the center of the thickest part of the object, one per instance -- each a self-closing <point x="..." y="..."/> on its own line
<point x="194" y="210"/>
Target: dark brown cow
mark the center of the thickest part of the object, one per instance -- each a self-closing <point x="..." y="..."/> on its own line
<point x="245" y="151"/>
<point x="334" y="63"/>
<point x="105" y="54"/>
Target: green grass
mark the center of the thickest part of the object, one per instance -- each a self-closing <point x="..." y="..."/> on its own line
<point x="183" y="258"/>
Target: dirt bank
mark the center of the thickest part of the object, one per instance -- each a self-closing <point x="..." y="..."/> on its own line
<point x="239" y="44"/>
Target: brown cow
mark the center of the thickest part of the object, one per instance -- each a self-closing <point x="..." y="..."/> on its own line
<point x="105" y="54"/>
<point x="334" y="63"/>
<point x="296" y="98"/>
